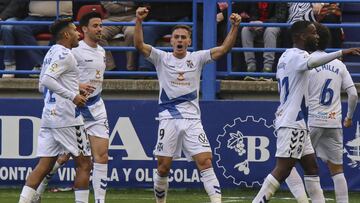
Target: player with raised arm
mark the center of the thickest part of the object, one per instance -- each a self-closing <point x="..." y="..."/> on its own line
<point x="90" y="57"/>
<point x="326" y="83"/>
<point x="62" y="127"/>
<point x="180" y="127"/>
<point x="293" y="142"/>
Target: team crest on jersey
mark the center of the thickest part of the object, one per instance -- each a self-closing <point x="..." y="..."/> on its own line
<point x="332" y="115"/>
<point x="352" y="149"/>
<point x="189" y="64"/>
<point x="54" y="67"/>
<point x="181" y="76"/>
<point x="97" y="75"/>
<point x="243" y="149"/>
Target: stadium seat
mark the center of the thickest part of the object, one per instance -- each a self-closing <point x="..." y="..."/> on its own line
<point x="90" y="8"/>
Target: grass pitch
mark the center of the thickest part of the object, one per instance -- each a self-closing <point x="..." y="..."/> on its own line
<point x="174" y="196"/>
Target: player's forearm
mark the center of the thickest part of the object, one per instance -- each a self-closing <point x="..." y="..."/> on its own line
<point x="139" y="37"/>
<point x="228" y="43"/>
<point x="230" y="38"/>
<point x="319" y="60"/>
<point x="352" y="101"/>
<point x="55" y="87"/>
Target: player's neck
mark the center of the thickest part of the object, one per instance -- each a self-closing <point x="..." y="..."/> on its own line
<point x="90" y="43"/>
<point x="64" y="43"/>
<point x="299" y="46"/>
<point x="179" y="55"/>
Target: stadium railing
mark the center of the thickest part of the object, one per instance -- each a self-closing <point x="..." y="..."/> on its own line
<point x="209" y="40"/>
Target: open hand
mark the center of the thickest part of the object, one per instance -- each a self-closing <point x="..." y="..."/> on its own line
<point x="79" y="100"/>
<point x="352" y="51"/>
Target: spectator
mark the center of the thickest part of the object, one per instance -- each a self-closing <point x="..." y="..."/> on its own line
<point x="10" y="11"/>
<point x="317" y="12"/>
<point x="163" y="12"/>
<point x="331" y="13"/>
<point x="119" y="11"/>
<point x="263" y="12"/>
<point x="39" y="11"/>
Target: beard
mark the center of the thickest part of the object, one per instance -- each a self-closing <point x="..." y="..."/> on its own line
<point x="310" y="46"/>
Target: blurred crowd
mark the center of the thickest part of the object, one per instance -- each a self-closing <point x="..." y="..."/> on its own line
<point x="124" y="11"/>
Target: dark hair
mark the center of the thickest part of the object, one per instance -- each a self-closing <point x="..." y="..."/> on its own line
<point x="187" y="28"/>
<point x="58" y="26"/>
<point x="299" y="28"/>
<point x="324" y="36"/>
<point x="84" y="20"/>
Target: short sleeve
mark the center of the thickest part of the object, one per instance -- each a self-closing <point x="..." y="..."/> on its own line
<point x="155" y="56"/>
<point x="300" y="60"/>
<point x="204" y="56"/>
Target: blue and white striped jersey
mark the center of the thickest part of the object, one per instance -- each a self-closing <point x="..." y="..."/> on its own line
<point x="179" y="81"/>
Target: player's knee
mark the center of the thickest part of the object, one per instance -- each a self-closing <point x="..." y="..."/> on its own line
<point x="163" y="170"/>
<point x="311" y="170"/>
<point x="335" y="168"/>
<point x="102" y="158"/>
<point x="85" y="165"/>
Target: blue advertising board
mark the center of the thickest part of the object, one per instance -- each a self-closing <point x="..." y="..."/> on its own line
<point x="241" y="134"/>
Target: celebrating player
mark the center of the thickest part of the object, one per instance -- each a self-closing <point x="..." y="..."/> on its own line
<point x="180" y="126"/>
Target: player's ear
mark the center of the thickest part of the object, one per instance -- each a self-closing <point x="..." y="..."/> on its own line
<point x="84" y="29"/>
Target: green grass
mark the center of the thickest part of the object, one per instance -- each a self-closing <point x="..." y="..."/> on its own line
<point x="174" y="196"/>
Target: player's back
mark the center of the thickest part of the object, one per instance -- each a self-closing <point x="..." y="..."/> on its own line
<point x="325" y="85"/>
<point x="292" y="75"/>
<point x="60" y="64"/>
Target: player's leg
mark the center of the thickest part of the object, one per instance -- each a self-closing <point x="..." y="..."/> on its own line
<point x="99" y="150"/>
<point x="167" y="147"/>
<point x="34" y="179"/>
<point x="330" y="150"/>
<point x="208" y="177"/>
<point x="196" y="146"/>
<point x="289" y="148"/>
<point x="61" y="160"/>
<point x="311" y="173"/>
<point x="296" y="186"/>
<point x="48" y="149"/>
<point x="161" y="183"/>
<point x="74" y="139"/>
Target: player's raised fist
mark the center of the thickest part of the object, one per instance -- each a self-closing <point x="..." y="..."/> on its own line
<point x="141" y="13"/>
<point x="235" y="19"/>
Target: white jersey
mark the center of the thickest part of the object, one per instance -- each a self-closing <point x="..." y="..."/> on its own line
<point x="91" y="62"/>
<point x="58" y="112"/>
<point x="326" y="83"/>
<point x="293" y="81"/>
<point x="179" y="81"/>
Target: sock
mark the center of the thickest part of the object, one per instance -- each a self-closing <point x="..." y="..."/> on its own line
<point x="267" y="190"/>
<point x="81" y="196"/>
<point x="41" y="188"/>
<point x="341" y="189"/>
<point x="211" y="185"/>
<point x="296" y="186"/>
<point x="99" y="181"/>
<point x="312" y="184"/>
<point x="10" y="67"/>
<point x="161" y="186"/>
<point x="27" y="194"/>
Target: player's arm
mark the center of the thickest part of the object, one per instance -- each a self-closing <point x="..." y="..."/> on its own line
<point x="144" y="49"/>
<point x="316" y="61"/>
<point x="352" y="102"/>
<point x="230" y="39"/>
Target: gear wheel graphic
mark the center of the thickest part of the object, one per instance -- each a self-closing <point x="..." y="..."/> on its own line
<point x="222" y="149"/>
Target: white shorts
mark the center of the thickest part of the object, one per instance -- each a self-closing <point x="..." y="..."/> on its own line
<point x="176" y="135"/>
<point x="55" y="141"/>
<point x="328" y="144"/>
<point x="99" y="128"/>
<point x="293" y="143"/>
